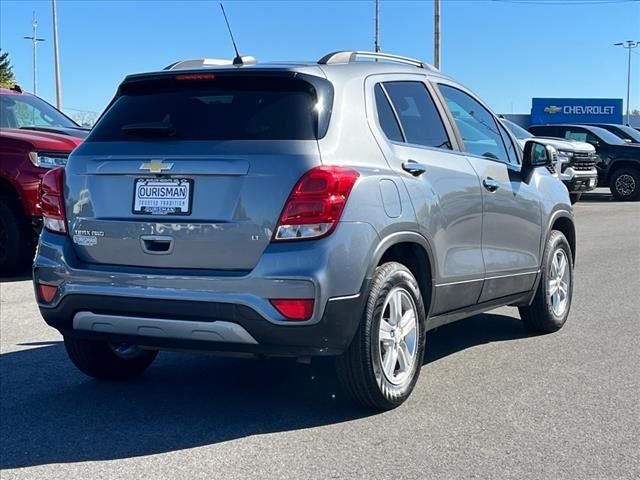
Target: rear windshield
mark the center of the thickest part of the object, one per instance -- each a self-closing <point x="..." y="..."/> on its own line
<point x="221" y="108"/>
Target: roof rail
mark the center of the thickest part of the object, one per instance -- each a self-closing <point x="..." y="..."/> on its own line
<point x="350" y="56"/>
<point x="210" y="62"/>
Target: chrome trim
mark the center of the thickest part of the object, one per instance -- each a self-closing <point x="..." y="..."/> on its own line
<point x="488" y="278"/>
<point x="345" y="297"/>
<point x="215" y="331"/>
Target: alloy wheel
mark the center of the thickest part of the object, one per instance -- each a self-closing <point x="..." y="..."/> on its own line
<point x="625" y="184"/>
<point x="398" y="336"/>
<point x="559" y="283"/>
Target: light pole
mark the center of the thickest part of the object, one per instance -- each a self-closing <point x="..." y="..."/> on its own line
<point x="436" y="33"/>
<point x="376" y="41"/>
<point x="55" y="55"/>
<point x="629" y="44"/>
<point x="34" y="39"/>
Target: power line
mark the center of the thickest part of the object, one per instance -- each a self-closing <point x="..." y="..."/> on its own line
<point x="564" y="2"/>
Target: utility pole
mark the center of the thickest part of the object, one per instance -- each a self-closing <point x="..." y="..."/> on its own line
<point x="436" y="33"/>
<point x="376" y="41"/>
<point x="629" y="44"/>
<point x="34" y="39"/>
<point x="55" y="56"/>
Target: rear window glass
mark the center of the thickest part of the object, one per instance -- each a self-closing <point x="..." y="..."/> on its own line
<point x="223" y="108"/>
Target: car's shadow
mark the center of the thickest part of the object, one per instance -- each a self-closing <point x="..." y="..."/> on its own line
<point x="597" y="197"/>
<point x="50" y="413"/>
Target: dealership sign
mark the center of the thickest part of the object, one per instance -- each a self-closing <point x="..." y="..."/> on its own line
<point x="576" y="110"/>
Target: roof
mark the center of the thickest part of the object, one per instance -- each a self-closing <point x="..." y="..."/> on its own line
<point x="332" y="63"/>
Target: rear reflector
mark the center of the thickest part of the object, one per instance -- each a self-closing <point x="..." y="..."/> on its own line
<point x="316" y="203"/>
<point x="46" y="293"/>
<point x="294" y="309"/>
<point x="52" y="201"/>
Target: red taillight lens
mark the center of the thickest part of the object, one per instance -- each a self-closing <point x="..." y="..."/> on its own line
<point x="316" y="203"/>
<point x="294" y="309"/>
<point x="46" y="293"/>
<point x="52" y="201"/>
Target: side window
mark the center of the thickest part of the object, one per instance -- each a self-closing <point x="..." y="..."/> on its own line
<point x="477" y="126"/>
<point x="511" y="149"/>
<point x="418" y="114"/>
<point x="386" y="117"/>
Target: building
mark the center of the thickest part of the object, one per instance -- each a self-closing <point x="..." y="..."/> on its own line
<point x="574" y="110"/>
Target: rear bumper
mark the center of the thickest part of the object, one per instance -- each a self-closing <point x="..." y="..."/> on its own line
<point x="330" y="271"/>
<point x="204" y="326"/>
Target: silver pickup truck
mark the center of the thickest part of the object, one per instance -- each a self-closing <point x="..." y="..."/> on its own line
<point x="576" y="161"/>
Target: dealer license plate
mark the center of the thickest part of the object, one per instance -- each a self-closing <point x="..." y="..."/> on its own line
<point x="162" y="196"/>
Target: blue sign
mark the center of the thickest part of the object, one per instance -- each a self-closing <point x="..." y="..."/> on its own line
<point x="576" y="110"/>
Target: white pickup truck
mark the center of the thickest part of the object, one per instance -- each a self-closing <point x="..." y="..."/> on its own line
<point x="576" y="164"/>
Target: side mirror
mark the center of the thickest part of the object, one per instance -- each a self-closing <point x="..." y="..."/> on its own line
<point x="538" y="154"/>
<point x="595" y="143"/>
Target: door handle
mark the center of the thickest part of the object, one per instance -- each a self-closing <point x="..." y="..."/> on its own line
<point x="490" y="184"/>
<point x="414" y="168"/>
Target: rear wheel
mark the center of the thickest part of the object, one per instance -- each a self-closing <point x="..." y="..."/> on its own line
<point x="625" y="184"/>
<point x="15" y="244"/>
<point x="382" y="365"/>
<point x="107" y="361"/>
<point x="550" y="307"/>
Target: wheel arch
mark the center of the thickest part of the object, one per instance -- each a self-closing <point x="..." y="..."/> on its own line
<point x="414" y="252"/>
<point x="622" y="163"/>
<point x="563" y="222"/>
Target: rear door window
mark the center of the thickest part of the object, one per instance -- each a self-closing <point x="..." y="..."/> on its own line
<point x="386" y="116"/>
<point x="224" y="108"/>
<point x="418" y="115"/>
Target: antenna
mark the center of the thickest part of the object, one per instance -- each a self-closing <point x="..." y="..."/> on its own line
<point x="238" y="59"/>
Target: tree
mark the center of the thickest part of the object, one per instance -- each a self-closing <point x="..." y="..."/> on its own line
<point x="7" y="78"/>
<point x="635" y="111"/>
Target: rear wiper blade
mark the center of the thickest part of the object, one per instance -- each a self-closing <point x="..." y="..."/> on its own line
<point x="150" y="128"/>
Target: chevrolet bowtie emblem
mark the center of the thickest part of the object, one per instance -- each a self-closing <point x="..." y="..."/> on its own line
<point x="156" y="166"/>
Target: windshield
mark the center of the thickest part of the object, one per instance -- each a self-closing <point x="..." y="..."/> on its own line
<point x="517" y="131"/>
<point x="25" y="111"/>
<point x="607" y="136"/>
<point x="629" y="133"/>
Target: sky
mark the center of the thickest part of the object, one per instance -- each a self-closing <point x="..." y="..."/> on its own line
<point x="507" y="51"/>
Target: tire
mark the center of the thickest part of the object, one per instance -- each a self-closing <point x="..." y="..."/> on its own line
<point x="574" y="197"/>
<point x="625" y="184"/>
<point x="361" y="369"/>
<point x="16" y="246"/>
<point x="548" y="313"/>
<point x="101" y="360"/>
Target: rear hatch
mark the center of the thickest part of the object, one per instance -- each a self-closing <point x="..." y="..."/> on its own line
<point x="192" y="171"/>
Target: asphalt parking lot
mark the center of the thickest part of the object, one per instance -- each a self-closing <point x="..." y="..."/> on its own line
<point x="491" y="402"/>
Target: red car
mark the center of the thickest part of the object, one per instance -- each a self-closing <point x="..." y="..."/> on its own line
<point x="34" y="137"/>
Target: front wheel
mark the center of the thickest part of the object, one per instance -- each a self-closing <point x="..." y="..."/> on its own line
<point x="15" y="245"/>
<point x="550" y="307"/>
<point x="625" y="184"/>
<point x="381" y="367"/>
<point x="107" y="361"/>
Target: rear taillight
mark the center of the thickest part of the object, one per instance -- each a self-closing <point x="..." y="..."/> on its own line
<point x="316" y="203"/>
<point x="52" y="201"/>
<point x="294" y="309"/>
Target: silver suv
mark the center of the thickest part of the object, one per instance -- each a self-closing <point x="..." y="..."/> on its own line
<point x="339" y="208"/>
